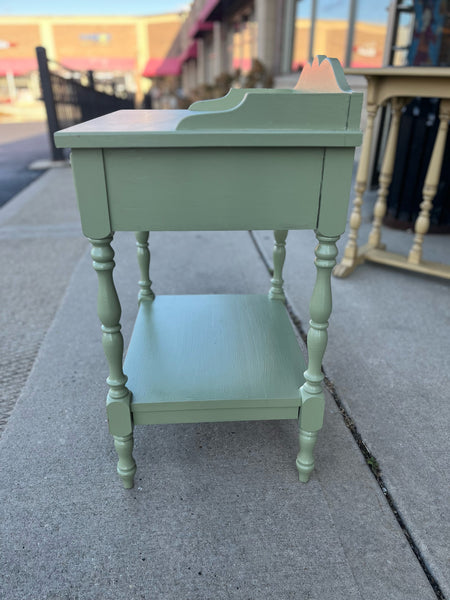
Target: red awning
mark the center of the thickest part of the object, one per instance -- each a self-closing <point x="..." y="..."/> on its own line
<point x="199" y="28"/>
<point x="202" y="24"/>
<point x="162" y="67"/>
<point x="190" y="52"/>
<point x="94" y="63"/>
<point x="17" y="66"/>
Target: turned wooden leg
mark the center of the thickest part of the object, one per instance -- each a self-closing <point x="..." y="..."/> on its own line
<point x="143" y="257"/>
<point x="387" y="170"/>
<point x="431" y="183"/>
<point x="126" y="467"/>
<point x="312" y="396"/>
<point x="119" y="397"/>
<point x="349" y="260"/>
<point x="305" y="458"/>
<point x="279" y="254"/>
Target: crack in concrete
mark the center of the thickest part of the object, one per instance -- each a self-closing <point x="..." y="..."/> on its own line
<point x="370" y="459"/>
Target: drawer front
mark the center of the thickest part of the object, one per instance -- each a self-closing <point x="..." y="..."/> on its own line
<point x="213" y="188"/>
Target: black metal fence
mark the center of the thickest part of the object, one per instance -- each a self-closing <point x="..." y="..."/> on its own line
<point x="418" y="130"/>
<point x="68" y="101"/>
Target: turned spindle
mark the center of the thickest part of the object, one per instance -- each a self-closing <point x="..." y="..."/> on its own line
<point x="386" y="172"/>
<point x="279" y="255"/>
<point x="349" y="261"/>
<point x="143" y="257"/>
<point x="119" y="397"/>
<point x="431" y="184"/>
<point x="312" y="396"/>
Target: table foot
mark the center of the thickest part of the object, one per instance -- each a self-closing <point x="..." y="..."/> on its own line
<point x="305" y="459"/>
<point x="348" y="265"/>
<point x="344" y="268"/>
<point x="126" y="467"/>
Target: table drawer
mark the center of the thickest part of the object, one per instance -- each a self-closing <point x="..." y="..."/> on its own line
<point x="213" y="189"/>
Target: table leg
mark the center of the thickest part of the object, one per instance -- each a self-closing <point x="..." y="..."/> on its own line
<point x="350" y="258"/>
<point x="279" y="255"/>
<point x="119" y="397"/>
<point x="431" y="183"/>
<point x="387" y="170"/>
<point x="143" y="257"/>
<point x="312" y="396"/>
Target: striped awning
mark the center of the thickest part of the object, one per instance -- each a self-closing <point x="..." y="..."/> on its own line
<point x="163" y="67"/>
<point x="95" y="63"/>
<point x="17" y="66"/>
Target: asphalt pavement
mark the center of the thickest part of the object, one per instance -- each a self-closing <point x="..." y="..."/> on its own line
<point x="20" y="145"/>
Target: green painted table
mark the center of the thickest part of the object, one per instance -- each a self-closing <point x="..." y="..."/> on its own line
<point x="255" y="159"/>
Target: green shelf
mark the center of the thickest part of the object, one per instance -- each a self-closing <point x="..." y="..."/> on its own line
<point x="213" y="358"/>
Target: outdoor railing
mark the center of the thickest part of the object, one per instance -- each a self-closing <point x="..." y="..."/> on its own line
<point x="68" y="101"/>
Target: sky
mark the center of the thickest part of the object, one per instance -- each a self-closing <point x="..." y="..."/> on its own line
<point x="368" y="10"/>
<point x="91" y="7"/>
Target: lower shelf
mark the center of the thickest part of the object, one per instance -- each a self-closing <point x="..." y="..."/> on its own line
<point x="195" y="359"/>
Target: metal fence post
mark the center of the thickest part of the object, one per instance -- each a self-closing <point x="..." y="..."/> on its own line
<point x="49" y="101"/>
<point x="90" y="75"/>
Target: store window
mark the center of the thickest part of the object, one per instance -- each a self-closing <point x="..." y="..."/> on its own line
<point x="331" y="30"/>
<point x="302" y="33"/>
<point x="354" y="32"/>
<point x="369" y="36"/>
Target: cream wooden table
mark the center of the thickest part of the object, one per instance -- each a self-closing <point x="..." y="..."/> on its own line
<point x="255" y="159"/>
<point x="397" y="85"/>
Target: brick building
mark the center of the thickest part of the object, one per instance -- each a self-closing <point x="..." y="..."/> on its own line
<point x="118" y="47"/>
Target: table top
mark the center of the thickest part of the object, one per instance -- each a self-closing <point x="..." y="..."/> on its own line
<point x="320" y="111"/>
<point x="441" y="72"/>
<point x="407" y="82"/>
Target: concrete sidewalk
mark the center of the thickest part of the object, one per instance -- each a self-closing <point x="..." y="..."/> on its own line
<point x="217" y="511"/>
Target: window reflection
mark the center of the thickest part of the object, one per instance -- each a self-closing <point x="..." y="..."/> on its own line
<point x="244" y="44"/>
<point x="325" y="27"/>
<point x="370" y="34"/>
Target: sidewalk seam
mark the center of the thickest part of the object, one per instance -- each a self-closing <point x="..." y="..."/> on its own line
<point x="369" y="458"/>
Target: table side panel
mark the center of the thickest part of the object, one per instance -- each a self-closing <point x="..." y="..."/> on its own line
<point x="90" y="184"/>
<point x="213" y="357"/>
<point x="213" y="188"/>
<point x="336" y="187"/>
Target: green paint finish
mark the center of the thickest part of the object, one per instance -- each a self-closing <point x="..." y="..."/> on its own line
<point x="126" y="467"/>
<point x="276" y="291"/>
<point x="143" y="257"/>
<point x="354" y="112"/>
<point x="335" y="192"/>
<point x="260" y="111"/>
<point x="313" y="400"/>
<point x="105" y="136"/>
<point x="90" y="185"/>
<point x="255" y="159"/>
<point x="219" y="355"/>
<point x="118" y="399"/>
<point x="214" y="415"/>
<point x="305" y="461"/>
<point x="238" y="188"/>
<point x="232" y="99"/>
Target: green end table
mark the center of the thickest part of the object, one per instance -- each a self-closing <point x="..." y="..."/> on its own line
<point x="255" y="159"/>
